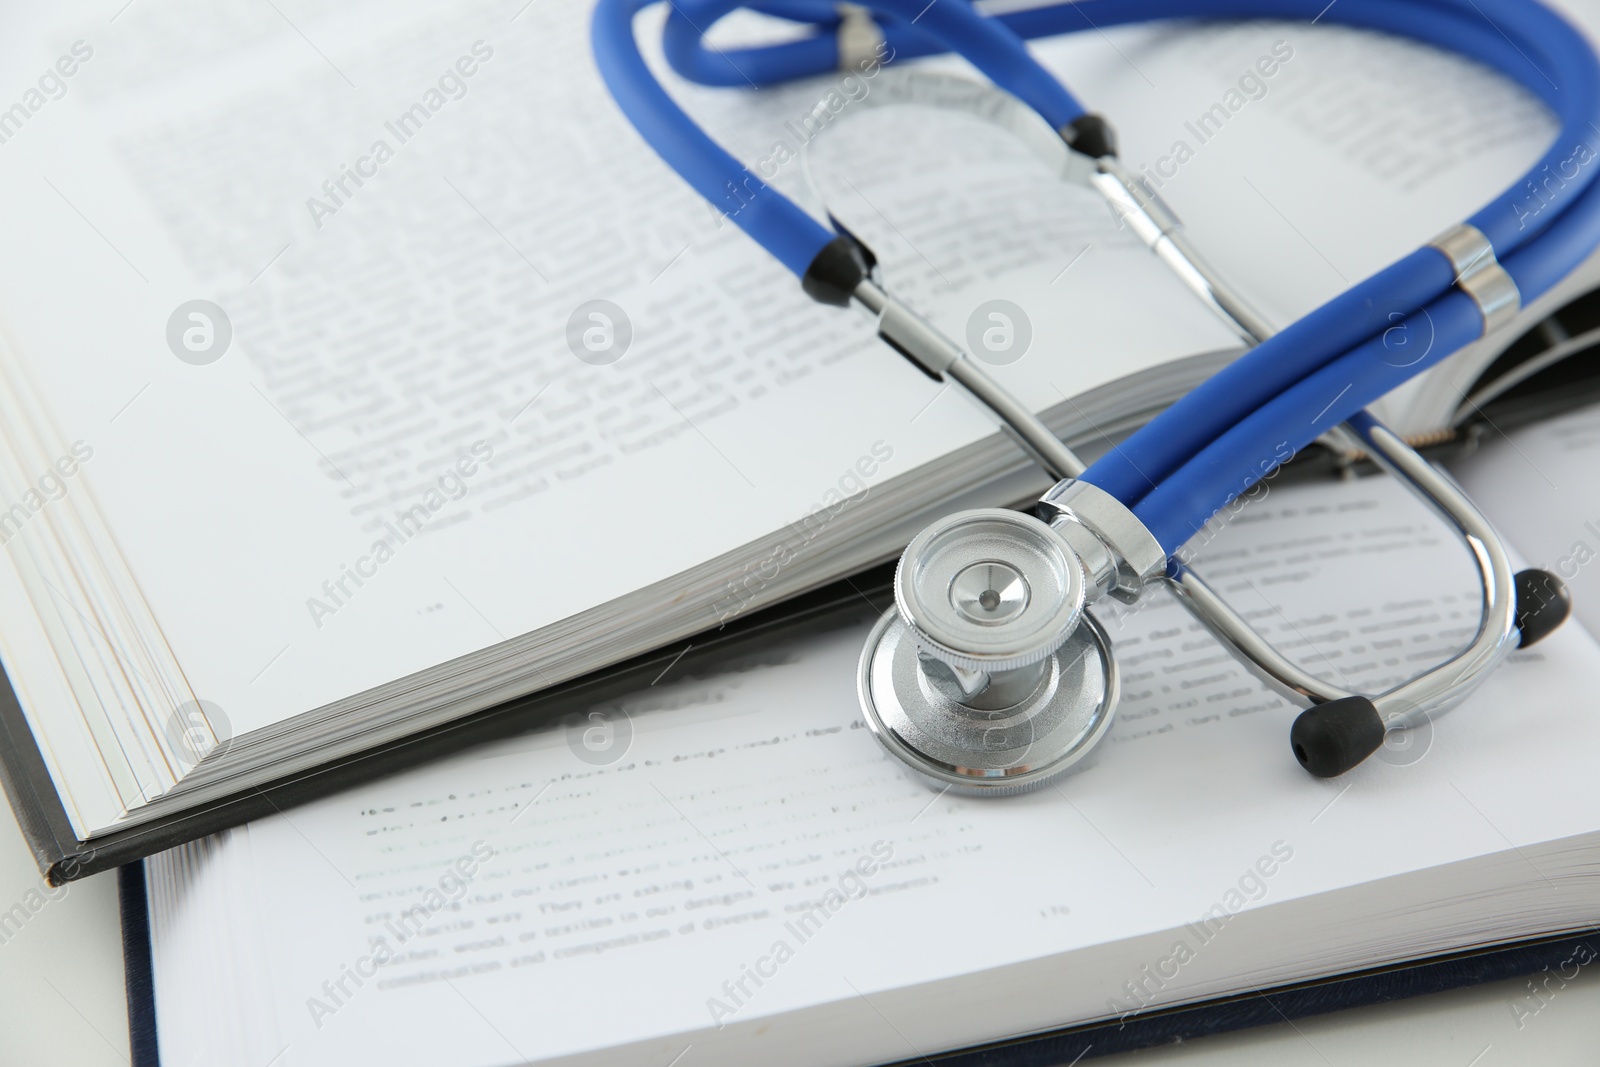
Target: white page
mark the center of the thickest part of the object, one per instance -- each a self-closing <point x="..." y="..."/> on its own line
<point x="632" y="891"/>
<point x="227" y="485"/>
<point x="324" y="381"/>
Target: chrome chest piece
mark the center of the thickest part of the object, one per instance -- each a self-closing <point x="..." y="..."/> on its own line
<point x="989" y="676"/>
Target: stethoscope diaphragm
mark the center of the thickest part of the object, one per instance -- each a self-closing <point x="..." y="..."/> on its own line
<point x="988" y="676"/>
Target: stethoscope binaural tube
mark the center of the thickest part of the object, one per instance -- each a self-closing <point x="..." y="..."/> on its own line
<point x="1194" y="458"/>
<point x="1525" y="41"/>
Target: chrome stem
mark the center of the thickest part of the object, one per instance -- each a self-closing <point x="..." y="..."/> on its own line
<point x="1446" y="685"/>
<point x="1441" y="687"/>
<point x="1280" y="674"/>
<point x="943" y="360"/>
<point x="1149" y="217"/>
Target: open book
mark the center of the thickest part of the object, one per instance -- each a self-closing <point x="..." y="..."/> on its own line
<point x="731" y="865"/>
<point x="362" y="371"/>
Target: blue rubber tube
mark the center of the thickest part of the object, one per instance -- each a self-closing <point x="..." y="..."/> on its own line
<point x="1528" y="43"/>
<point x="1254" y="447"/>
<point x="1231" y="464"/>
<point x="986" y="43"/>
<point x="683" y="43"/>
<point x="1543" y="54"/>
<point x="1374" y="306"/>
<point x="769" y="217"/>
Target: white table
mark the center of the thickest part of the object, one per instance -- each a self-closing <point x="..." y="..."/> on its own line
<point x="61" y="1001"/>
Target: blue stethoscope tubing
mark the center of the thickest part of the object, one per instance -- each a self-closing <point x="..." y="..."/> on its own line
<point x="1214" y="444"/>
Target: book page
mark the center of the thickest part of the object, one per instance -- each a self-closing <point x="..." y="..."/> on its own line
<point x="642" y="863"/>
<point x="401" y="211"/>
<point x="399" y="365"/>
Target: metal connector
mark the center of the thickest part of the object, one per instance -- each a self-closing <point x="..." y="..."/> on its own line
<point x="908" y="333"/>
<point x="1120" y="556"/>
<point x="860" y="40"/>
<point x="1480" y="275"/>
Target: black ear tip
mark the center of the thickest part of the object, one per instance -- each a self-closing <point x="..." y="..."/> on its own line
<point x="1092" y="135"/>
<point x="1331" y="738"/>
<point x="1543" y="604"/>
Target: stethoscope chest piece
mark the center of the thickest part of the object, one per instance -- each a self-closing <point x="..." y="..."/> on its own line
<point x="988" y="676"/>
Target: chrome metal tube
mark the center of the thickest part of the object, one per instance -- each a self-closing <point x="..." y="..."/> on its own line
<point x="1280" y="674"/>
<point x="1056" y="458"/>
<point x="921" y="342"/>
<point x="1159" y="228"/>
<point x="1430" y="693"/>
<point x="1435" y="690"/>
<point x="1443" y="687"/>
<point x="1179" y="253"/>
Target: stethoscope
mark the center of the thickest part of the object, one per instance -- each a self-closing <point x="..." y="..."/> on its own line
<point x="990" y="675"/>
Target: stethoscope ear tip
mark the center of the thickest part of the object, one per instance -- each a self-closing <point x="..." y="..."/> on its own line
<point x="1332" y="738"/>
<point x="1543" y="604"/>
